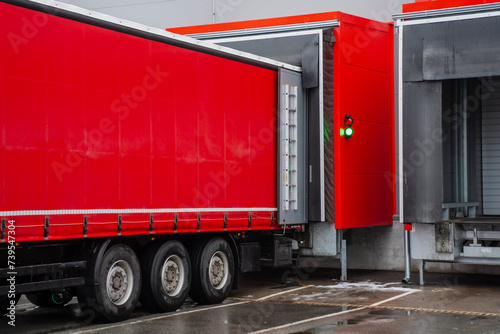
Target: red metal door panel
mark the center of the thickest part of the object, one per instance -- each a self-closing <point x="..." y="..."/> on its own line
<point x="366" y="198"/>
<point x="371" y="87"/>
<point x="364" y="190"/>
<point x="441" y="4"/>
<point x="367" y="152"/>
<point x="365" y="47"/>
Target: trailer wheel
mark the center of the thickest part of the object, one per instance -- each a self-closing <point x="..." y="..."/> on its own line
<point x="166" y="270"/>
<point x="48" y="298"/>
<point x="213" y="272"/>
<point x="116" y="293"/>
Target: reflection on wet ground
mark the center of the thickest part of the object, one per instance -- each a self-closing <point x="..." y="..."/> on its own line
<point x="371" y="302"/>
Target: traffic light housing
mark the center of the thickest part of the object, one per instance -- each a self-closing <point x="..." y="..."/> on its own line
<point x="348" y="131"/>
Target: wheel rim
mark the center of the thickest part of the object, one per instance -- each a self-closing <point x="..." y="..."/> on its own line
<point x="218" y="270"/>
<point x="120" y="282"/>
<point x="172" y="275"/>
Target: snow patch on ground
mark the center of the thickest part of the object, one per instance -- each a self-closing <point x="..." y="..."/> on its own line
<point x="367" y="286"/>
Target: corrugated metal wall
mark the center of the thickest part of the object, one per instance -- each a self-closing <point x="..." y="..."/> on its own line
<point x="491" y="146"/>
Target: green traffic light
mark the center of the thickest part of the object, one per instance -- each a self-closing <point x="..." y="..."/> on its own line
<point x="349" y="132"/>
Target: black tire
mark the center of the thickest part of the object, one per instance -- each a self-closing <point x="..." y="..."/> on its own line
<point x="162" y="292"/>
<point x="113" y="302"/>
<point x="49" y="299"/>
<point x="5" y="303"/>
<point x="213" y="272"/>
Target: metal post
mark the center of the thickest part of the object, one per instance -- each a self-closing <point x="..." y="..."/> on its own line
<point x="407" y="258"/>
<point x="422" y="271"/>
<point x="401" y="160"/>
<point x="343" y="260"/>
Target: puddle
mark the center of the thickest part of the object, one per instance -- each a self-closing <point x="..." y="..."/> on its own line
<point x="324" y="328"/>
<point x="375" y="316"/>
<point x="387" y="312"/>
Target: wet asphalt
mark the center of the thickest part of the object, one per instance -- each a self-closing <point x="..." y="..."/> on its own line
<point x="304" y="301"/>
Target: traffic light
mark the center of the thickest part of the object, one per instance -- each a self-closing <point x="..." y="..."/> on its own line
<point x="348" y="121"/>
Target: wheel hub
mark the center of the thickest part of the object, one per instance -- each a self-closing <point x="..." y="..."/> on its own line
<point x="172" y="276"/>
<point x="119" y="286"/>
<point x="217" y="270"/>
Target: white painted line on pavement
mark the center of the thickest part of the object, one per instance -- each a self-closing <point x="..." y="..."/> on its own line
<point x="305" y="321"/>
<point x="394" y="298"/>
<point x="169" y="315"/>
<point x="283" y="292"/>
<point x="295" y="323"/>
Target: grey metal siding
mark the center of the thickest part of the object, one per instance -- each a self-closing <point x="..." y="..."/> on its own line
<point x="491" y="146"/>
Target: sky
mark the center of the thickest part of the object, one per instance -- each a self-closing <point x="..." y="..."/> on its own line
<point x="177" y="13"/>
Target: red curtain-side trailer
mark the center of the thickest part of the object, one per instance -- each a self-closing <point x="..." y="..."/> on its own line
<point x="139" y="165"/>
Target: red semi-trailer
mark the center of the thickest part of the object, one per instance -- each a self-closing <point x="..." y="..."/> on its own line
<point x="141" y="165"/>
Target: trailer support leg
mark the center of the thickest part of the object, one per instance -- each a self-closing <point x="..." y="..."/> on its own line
<point x="343" y="260"/>
<point x="407" y="258"/>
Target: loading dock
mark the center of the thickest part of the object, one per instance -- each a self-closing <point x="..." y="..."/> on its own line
<point x="449" y="130"/>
